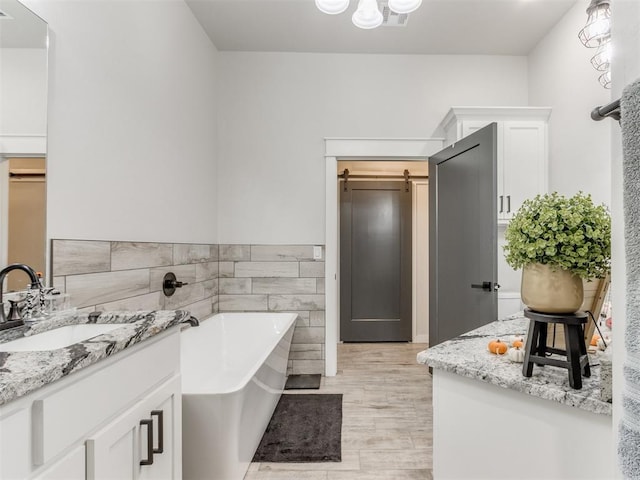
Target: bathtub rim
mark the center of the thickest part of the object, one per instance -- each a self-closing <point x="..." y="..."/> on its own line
<point x="249" y="375"/>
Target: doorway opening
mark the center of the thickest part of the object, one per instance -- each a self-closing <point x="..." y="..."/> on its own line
<point x="355" y="149"/>
<point x="383" y="251"/>
<point x="22" y="212"/>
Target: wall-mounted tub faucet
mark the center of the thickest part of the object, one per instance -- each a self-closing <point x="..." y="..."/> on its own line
<point x="170" y="283"/>
<point x="35" y="283"/>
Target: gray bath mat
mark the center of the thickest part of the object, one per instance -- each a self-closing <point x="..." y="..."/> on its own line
<point x="303" y="428"/>
<point x="303" y="382"/>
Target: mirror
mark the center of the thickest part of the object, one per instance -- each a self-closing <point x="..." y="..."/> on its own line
<point x="23" y="116"/>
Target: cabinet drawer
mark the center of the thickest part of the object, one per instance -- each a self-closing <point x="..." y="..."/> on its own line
<point x="71" y="467"/>
<point x="82" y="404"/>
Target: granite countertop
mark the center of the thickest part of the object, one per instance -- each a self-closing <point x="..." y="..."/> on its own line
<point x="467" y="355"/>
<point x="24" y="372"/>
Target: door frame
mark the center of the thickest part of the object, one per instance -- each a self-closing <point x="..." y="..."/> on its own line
<point x="364" y="149"/>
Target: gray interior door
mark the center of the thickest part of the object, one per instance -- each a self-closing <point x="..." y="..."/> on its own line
<point x="375" y="262"/>
<point x="462" y="236"/>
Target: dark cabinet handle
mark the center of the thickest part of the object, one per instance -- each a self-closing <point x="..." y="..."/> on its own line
<point x="501" y="203"/>
<point x="160" y="415"/>
<point x="508" y="203"/>
<point x="149" y="423"/>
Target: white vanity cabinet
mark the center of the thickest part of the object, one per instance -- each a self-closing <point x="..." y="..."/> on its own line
<point x="98" y="423"/>
<point x="522" y="149"/>
<point x="522" y="173"/>
<point x="148" y="428"/>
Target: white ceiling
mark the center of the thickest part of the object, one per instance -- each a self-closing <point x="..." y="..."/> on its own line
<point x="21" y="28"/>
<point x="490" y="27"/>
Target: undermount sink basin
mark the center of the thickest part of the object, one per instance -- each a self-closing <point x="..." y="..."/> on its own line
<point x="58" y="338"/>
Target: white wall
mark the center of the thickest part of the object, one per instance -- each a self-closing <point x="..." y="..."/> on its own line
<point x="561" y="76"/>
<point x="625" y="69"/>
<point x="278" y="107"/>
<point x="131" y="127"/>
<point x="23" y="91"/>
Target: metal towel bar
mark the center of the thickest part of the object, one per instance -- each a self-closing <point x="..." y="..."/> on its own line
<point x="611" y="110"/>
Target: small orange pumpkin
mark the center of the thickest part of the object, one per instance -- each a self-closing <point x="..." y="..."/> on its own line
<point x="518" y="344"/>
<point x="594" y="340"/>
<point x="498" y="347"/>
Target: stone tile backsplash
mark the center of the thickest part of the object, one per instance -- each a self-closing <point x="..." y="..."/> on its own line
<point x="102" y="275"/>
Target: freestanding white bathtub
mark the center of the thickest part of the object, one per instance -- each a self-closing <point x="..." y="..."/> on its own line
<point x="234" y="369"/>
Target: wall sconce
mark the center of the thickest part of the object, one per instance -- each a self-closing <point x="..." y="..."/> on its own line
<point x="597" y="34"/>
<point x="598" y="27"/>
<point x="601" y="61"/>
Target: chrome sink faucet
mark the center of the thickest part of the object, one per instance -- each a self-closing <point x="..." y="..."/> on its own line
<point x="35" y="283"/>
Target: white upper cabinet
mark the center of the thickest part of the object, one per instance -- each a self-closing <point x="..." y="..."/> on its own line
<point x="522" y="149"/>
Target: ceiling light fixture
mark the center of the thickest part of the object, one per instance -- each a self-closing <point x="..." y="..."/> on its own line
<point x="404" y="6"/>
<point x="368" y="14"/>
<point x="332" y="7"/>
<point x="597" y="34"/>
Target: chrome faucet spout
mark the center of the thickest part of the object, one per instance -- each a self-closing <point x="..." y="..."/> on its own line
<point x="33" y="276"/>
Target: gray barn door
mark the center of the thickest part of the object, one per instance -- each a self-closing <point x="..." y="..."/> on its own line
<point x="462" y="236"/>
<point x="375" y="262"/>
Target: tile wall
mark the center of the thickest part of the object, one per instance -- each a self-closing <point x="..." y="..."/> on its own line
<point x="278" y="278"/>
<point x="103" y="275"/>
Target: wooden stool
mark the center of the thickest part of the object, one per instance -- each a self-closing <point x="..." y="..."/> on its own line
<point x="577" y="361"/>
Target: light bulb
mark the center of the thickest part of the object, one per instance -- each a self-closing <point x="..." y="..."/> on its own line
<point x="404" y="6"/>
<point x="598" y="27"/>
<point x="332" y="7"/>
<point x="367" y="15"/>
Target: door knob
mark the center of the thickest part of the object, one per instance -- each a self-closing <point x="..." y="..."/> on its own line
<point x="486" y="286"/>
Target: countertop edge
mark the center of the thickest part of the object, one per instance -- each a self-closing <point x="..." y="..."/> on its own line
<point x="22" y="373"/>
<point x="583" y="399"/>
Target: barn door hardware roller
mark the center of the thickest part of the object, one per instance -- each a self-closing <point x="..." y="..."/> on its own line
<point x="406" y="175"/>
<point x="346" y="178"/>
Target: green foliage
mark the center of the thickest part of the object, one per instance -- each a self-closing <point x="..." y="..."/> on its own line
<point x="570" y="233"/>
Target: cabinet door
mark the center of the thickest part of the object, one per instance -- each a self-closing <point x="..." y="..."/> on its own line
<point x="15" y="442"/>
<point x="166" y="415"/>
<point x="472" y="126"/>
<point x="524" y="162"/>
<point x="116" y="451"/>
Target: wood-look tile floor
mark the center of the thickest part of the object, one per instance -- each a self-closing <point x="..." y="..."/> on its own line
<point x="387" y="419"/>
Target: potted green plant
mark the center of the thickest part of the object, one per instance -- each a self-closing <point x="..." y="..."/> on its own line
<point x="558" y="241"/>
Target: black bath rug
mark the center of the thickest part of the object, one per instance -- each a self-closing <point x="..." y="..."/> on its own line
<point x="303" y="428"/>
<point x="303" y="382"/>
